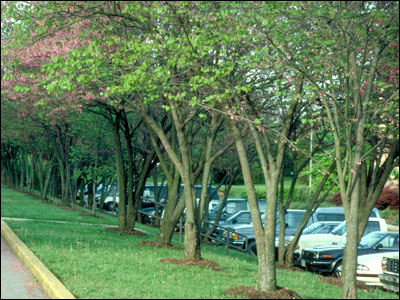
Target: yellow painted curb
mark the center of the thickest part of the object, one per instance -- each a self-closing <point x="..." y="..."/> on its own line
<point x="49" y="283"/>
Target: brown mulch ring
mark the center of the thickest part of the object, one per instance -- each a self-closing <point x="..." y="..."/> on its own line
<point x="134" y="232"/>
<point x="337" y="281"/>
<point x="52" y="203"/>
<point x="291" y="268"/>
<point x="154" y="244"/>
<point x="250" y="292"/>
<point x="200" y="263"/>
<point x="71" y="208"/>
<point x="91" y="215"/>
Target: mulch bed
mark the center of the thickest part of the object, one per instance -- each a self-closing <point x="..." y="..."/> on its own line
<point x="291" y="268"/>
<point x="91" y="215"/>
<point x="71" y="208"/>
<point x="200" y="263"/>
<point x="337" y="281"/>
<point x="134" y="232"/>
<point x="250" y="292"/>
<point x="53" y="203"/>
<point x="154" y="244"/>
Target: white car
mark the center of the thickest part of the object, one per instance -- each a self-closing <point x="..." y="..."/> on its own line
<point x="389" y="277"/>
<point x="369" y="267"/>
<point x="335" y="237"/>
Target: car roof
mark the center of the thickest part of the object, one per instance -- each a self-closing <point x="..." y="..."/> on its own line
<point x="332" y="209"/>
<point x="329" y="222"/>
<point x="385" y="232"/>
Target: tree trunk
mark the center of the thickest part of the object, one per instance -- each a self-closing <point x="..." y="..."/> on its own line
<point x="349" y="266"/>
<point x="49" y="172"/>
<point x="266" y="260"/>
<point x="120" y="176"/>
<point x="22" y="169"/>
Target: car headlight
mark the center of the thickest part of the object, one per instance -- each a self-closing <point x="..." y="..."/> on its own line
<point x="234" y="236"/>
<point x="384" y="262"/>
<point x="362" y="268"/>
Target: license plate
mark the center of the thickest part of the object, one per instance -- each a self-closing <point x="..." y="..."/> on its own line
<point x="303" y="263"/>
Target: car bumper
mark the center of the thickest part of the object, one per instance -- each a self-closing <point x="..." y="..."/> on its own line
<point x="317" y="265"/>
<point x="390" y="282"/>
<point x="369" y="279"/>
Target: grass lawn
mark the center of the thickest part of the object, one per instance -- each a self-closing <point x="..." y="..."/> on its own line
<point x="95" y="263"/>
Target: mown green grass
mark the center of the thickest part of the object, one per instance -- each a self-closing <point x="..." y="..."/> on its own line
<point x="18" y="205"/>
<point x="95" y="263"/>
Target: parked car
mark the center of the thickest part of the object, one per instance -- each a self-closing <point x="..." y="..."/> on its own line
<point x="241" y="217"/>
<point x="109" y="201"/>
<point x="389" y="277"/>
<point x="335" y="213"/>
<point x="148" y="203"/>
<point x="328" y="259"/>
<point x="232" y="206"/>
<point x="293" y="218"/>
<point x="369" y="267"/>
<point x="335" y="237"/>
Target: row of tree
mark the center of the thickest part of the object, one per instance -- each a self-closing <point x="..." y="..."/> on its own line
<point x="189" y="86"/>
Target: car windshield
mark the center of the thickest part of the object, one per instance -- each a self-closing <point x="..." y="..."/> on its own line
<point x="341" y="229"/>
<point x="370" y="240"/>
<point x="313" y="227"/>
<point x="241" y="217"/>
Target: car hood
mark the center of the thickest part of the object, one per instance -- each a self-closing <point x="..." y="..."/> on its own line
<point x="241" y="228"/>
<point x="333" y="248"/>
<point x="374" y="258"/>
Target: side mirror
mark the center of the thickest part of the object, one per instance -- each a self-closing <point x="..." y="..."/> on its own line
<point x="379" y="246"/>
<point x="234" y="221"/>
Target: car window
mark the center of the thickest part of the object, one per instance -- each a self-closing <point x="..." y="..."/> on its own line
<point x="390" y="241"/>
<point x="293" y="219"/>
<point x="330" y="217"/>
<point x="148" y="193"/>
<point x="244" y="218"/>
<point x="231" y="207"/>
<point x="371" y="227"/>
<point x="327" y="229"/>
<point x="312" y="228"/>
<point x="371" y="239"/>
<point x="341" y="229"/>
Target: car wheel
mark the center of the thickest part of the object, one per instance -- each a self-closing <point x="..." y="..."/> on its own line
<point x="252" y="248"/>
<point x="337" y="271"/>
<point x="110" y="206"/>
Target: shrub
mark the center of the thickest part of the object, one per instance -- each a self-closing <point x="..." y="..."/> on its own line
<point x="261" y="194"/>
<point x="388" y="198"/>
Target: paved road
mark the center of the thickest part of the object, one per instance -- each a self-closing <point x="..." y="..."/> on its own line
<point x="16" y="281"/>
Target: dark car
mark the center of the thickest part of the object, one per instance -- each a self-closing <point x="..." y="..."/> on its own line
<point x="239" y="233"/>
<point x="328" y="259"/>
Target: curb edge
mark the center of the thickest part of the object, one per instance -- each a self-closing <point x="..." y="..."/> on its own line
<point x="53" y="287"/>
